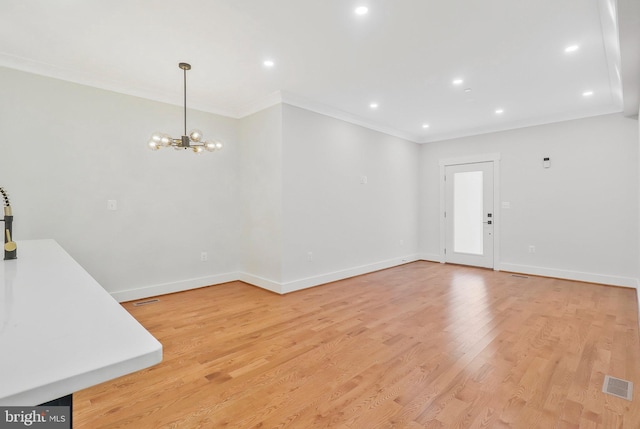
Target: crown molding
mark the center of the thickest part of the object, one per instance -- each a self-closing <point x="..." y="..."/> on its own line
<point x="525" y="123"/>
<point x="258" y="105"/>
<point x="297" y="101"/>
<point x="277" y="97"/>
<point x="102" y="82"/>
<point x="628" y="15"/>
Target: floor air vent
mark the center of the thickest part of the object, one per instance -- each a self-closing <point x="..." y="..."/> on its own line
<point x="149" y="301"/>
<point x="520" y="276"/>
<point x="617" y="387"/>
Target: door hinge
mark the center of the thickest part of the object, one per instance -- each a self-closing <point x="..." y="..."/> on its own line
<point x="445" y="251"/>
<point x="445" y="214"/>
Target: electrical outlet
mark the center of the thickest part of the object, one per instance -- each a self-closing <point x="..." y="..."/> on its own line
<point x="203" y="256"/>
<point x="309" y="256"/>
<point x="532" y="249"/>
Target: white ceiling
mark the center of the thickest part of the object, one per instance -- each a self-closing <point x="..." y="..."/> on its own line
<point x="403" y="54"/>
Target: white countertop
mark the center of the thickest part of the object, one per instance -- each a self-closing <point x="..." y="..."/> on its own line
<point x="60" y="331"/>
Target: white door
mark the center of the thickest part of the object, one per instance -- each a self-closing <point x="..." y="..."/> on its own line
<point x="469" y="218"/>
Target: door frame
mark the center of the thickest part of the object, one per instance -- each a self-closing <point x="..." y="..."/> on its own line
<point x="473" y="159"/>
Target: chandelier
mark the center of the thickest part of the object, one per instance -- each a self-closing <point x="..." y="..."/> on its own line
<point x="193" y="140"/>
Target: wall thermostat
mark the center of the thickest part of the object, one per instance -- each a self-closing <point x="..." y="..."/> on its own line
<point x="546" y="162"/>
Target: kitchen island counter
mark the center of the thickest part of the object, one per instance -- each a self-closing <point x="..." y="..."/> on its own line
<point x="60" y="331"/>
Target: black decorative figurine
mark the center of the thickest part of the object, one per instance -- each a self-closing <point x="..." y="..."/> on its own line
<point x="10" y="248"/>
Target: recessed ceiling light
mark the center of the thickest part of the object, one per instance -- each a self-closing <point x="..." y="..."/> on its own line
<point x="268" y="63"/>
<point x="458" y="81"/>
<point x="571" y="48"/>
<point x="373" y="105"/>
<point x="587" y="93"/>
<point x="362" y="10"/>
<point x="425" y="126"/>
<point x="499" y="111"/>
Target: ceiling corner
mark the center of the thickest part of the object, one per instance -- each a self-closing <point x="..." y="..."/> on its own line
<point x="259" y="104"/>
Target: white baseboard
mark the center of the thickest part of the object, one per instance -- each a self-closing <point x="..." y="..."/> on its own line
<point x="261" y="282"/>
<point x="295" y="285"/>
<point x="308" y="282"/>
<point x="431" y="257"/>
<point x="179" y="286"/>
<point x="571" y="275"/>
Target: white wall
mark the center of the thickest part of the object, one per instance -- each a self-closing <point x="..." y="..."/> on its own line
<point x="66" y="149"/>
<point x="261" y="198"/>
<point x="255" y="208"/>
<point x="349" y="227"/>
<point x="289" y="182"/>
<point x="581" y="214"/>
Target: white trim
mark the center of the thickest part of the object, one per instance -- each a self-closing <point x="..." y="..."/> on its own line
<point x="166" y="288"/>
<point x="611" y="38"/>
<point x="259" y="105"/>
<point x="431" y="257"/>
<point x="443" y="208"/>
<point x="260" y="282"/>
<point x="472" y="159"/>
<point x="91" y="80"/>
<point x="525" y="123"/>
<point x="284" y="97"/>
<point x="308" y="282"/>
<point x="332" y="112"/>
<point x="630" y="99"/>
<point x="300" y="284"/>
<point x="605" y="279"/>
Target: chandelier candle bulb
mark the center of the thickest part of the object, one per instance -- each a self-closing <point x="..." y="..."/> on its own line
<point x="195" y="135"/>
<point x="193" y="140"/>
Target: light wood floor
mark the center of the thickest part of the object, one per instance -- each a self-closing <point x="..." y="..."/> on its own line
<point x="422" y="345"/>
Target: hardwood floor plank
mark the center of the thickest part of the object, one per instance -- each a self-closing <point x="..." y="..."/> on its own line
<point x="416" y="346"/>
